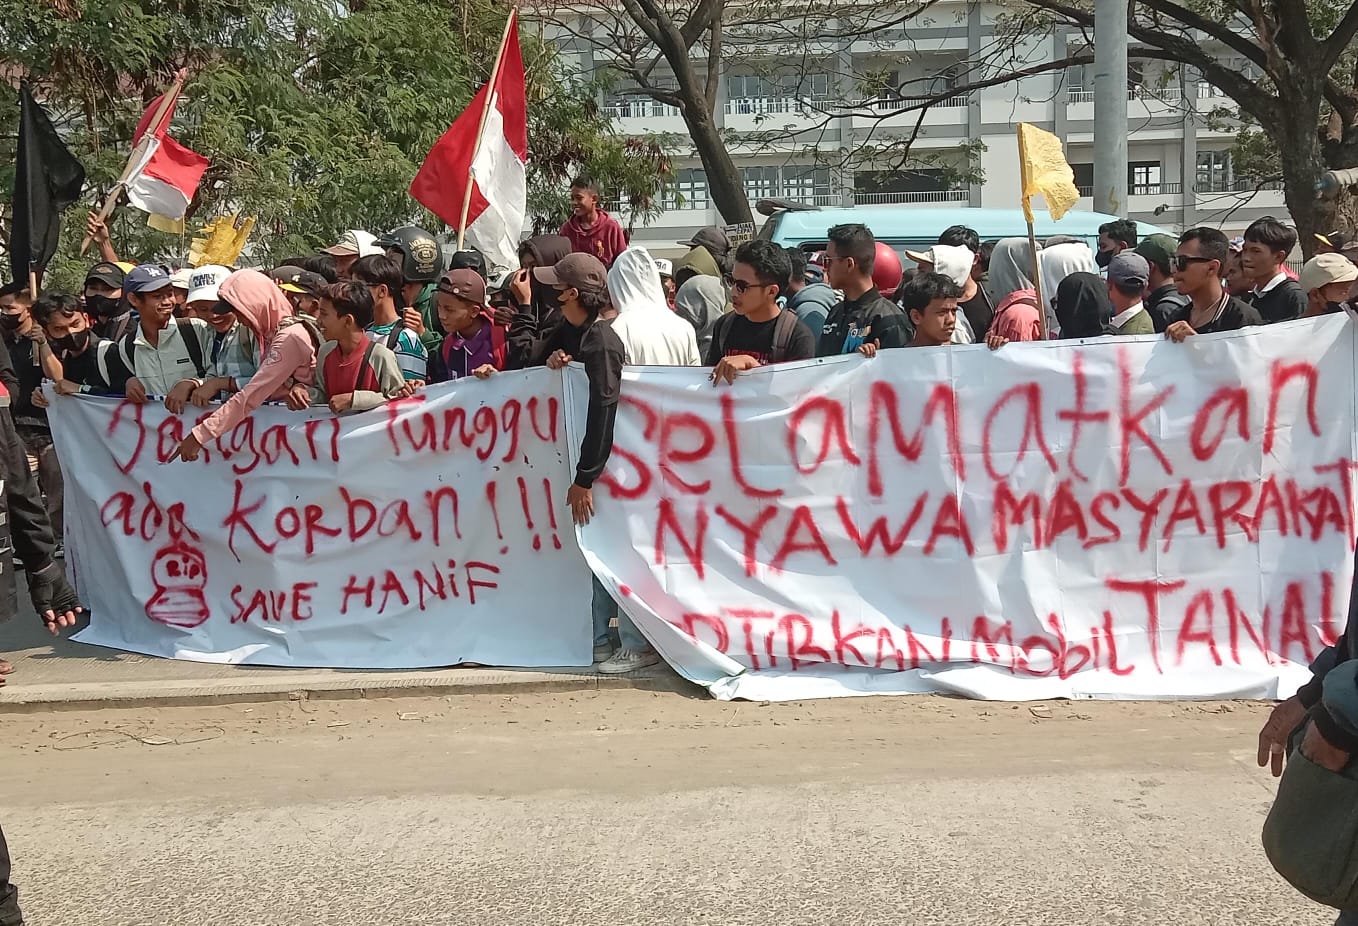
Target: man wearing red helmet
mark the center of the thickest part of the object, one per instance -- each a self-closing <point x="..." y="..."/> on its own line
<point x="865" y="316"/>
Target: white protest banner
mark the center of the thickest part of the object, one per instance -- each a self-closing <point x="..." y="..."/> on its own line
<point x="1126" y="518"/>
<point x="429" y="532"/>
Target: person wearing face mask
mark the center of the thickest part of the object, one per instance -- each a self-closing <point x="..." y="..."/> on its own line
<point x="80" y="354"/>
<point x="1114" y="238"/>
<point x="1326" y="279"/>
<point x="31" y="357"/>
<point x="103" y="291"/>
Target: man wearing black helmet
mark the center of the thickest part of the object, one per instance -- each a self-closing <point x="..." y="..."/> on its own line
<point x="421" y="262"/>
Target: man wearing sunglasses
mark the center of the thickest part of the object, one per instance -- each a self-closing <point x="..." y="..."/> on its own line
<point x="759" y="331"/>
<point x="1199" y="265"/>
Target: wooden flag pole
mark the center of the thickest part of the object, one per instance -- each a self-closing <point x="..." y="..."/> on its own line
<point x="33" y="284"/>
<point x="481" y="129"/>
<point x="167" y="100"/>
<point x="1037" y="281"/>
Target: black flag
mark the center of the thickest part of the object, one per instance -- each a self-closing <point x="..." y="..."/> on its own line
<point x="47" y="179"/>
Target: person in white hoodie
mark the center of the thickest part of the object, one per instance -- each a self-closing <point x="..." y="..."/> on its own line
<point x="651" y="335"/>
<point x="649" y="330"/>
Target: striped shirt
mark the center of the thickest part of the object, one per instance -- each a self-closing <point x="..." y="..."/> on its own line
<point x="235" y="356"/>
<point x="411" y="355"/>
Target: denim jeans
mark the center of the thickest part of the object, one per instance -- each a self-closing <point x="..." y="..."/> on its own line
<point x="603" y="609"/>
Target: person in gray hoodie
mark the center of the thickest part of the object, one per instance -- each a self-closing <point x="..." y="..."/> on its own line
<point x="809" y="300"/>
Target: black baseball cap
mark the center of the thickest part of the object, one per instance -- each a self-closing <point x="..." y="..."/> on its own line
<point x="293" y="279"/>
<point x="713" y="238"/>
<point x="108" y="273"/>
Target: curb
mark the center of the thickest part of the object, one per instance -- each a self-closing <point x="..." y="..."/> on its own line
<point x="318" y="686"/>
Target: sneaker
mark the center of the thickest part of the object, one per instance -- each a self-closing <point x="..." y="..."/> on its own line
<point x="626" y="660"/>
<point x="603" y="652"/>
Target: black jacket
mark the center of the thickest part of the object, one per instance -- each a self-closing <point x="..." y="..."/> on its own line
<point x="601" y="351"/>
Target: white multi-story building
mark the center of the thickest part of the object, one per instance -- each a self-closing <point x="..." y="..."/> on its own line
<point x="1179" y="131"/>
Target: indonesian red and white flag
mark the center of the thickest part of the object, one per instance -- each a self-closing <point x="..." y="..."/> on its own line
<point x="165" y="175"/>
<point x="494" y="168"/>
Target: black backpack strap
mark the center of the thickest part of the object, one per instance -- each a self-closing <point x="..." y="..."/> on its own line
<point x="783" y="329"/>
<point x="189" y="333"/>
<point x="394" y="338"/>
<point x="722" y="330"/>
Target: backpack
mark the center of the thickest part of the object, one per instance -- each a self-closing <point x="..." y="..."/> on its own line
<point x="309" y="324"/>
<point x="499" y="342"/>
<point x="127" y="349"/>
<point x="783" y="330"/>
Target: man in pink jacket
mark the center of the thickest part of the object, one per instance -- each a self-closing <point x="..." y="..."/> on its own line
<point x="289" y="367"/>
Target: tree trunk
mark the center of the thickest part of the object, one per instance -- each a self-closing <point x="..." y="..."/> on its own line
<point x="1297" y="136"/>
<point x="723" y="177"/>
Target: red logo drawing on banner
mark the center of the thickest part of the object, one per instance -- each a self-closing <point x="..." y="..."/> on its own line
<point x="179" y="573"/>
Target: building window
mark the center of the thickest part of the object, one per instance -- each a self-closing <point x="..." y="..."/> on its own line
<point x="690" y="189"/>
<point x="1143" y="178"/>
<point x="760" y="182"/>
<point x="806" y="184"/>
<point x="1215" y="173"/>
<point x="1084" y="178"/>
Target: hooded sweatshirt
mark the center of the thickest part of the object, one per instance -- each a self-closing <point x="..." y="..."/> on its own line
<point x="812" y="303"/>
<point x="701" y="301"/>
<point x="1017" y="316"/>
<point x="697" y="262"/>
<point x="1083" y="308"/>
<point x="1057" y="263"/>
<point x="651" y="334"/>
<point x="535" y="323"/>
<point x="289" y="355"/>
<point x="604" y="239"/>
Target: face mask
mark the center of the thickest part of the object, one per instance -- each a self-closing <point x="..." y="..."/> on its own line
<point x="1103" y="258"/>
<point x="1332" y="308"/>
<point x="73" y="343"/>
<point x="11" y="322"/>
<point x="101" y="305"/>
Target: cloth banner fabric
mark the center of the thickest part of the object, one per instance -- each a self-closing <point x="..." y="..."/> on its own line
<point x="429" y="532"/>
<point x="1118" y="518"/>
<point x="1123" y="518"/>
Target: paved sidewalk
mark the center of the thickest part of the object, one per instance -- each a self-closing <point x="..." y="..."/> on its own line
<point x="54" y="673"/>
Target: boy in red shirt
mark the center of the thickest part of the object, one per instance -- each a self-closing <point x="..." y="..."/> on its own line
<point x="353" y="372"/>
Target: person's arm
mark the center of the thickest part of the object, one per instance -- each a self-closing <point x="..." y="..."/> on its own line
<point x="603" y="362"/>
<point x="320" y="394"/>
<point x="98" y="230"/>
<point x="290" y="350"/>
<point x="617" y="240"/>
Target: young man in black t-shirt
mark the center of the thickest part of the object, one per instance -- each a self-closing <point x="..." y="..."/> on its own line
<point x="759" y="331"/>
<point x="1276" y="297"/>
<point x="1197" y="272"/>
<point x="865" y="316"/>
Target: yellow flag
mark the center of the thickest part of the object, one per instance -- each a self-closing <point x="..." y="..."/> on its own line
<point x="165" y="224"/>
<point x="221" y="240"/>
<point x="1044" y="168"/>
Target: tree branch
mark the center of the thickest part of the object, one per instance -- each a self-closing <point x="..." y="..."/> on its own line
<point x="1222" y="32"/>
<point x="1339" y="40"/>
<point x="704" y="15"/>
<point x="714" y="46"/>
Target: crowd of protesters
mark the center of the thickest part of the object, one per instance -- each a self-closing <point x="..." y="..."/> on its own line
<point x="371" y="318"/>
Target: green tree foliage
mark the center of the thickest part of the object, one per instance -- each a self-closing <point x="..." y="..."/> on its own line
<point x="315" y="115"/>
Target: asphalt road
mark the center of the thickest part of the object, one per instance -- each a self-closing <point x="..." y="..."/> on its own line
<point x="627" y="807"/>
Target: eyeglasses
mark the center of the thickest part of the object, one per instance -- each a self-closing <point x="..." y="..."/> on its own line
<point x="741" y="286"/>
<point x="1182" y="261"/>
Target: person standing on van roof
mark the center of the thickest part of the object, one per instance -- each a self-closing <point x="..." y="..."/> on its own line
<point x="865" y="316"/>
<point x="1114" y="238"/>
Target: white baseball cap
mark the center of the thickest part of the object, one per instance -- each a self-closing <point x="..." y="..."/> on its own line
<point x="354" y="243"/>
<point x="205" y="281"/>
<point x="954" y="262"/>
<point x="666" y="267"/>
<point x="180" y="278"/>
<point x="1324" y="269"/>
